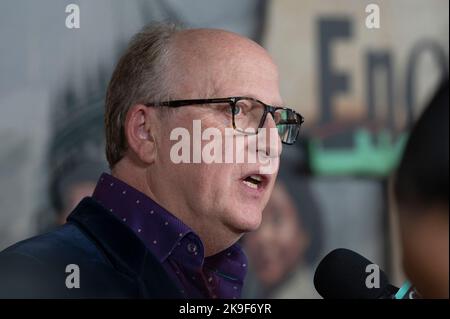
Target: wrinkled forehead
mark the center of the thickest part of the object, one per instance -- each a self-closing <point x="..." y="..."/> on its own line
<point x="219" y="63"/>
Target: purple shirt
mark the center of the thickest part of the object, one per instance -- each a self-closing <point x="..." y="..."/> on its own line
<point x="174" y="244"/>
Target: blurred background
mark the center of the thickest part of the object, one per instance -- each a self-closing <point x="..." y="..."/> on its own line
<point x="359" y="89"/>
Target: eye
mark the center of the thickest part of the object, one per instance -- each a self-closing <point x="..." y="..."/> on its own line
<point x="242" y="108"/>
<point x="236" y="109"/>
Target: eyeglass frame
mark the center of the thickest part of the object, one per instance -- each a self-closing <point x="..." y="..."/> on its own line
<point x="232" y="102"/>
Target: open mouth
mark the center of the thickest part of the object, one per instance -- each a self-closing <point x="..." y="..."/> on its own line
<point x="254" y="181"/>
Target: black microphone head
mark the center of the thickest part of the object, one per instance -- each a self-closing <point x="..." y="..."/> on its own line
<point x="342" y="274"/>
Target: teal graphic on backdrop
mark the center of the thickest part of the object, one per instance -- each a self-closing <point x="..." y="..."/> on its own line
<point x="364" y="158"/>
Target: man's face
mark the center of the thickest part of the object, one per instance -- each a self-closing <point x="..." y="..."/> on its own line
<point x="219" y="195"/>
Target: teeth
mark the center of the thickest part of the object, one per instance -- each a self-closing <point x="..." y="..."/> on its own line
<point x="251" y="185"/>
<point x="256" y="177"/>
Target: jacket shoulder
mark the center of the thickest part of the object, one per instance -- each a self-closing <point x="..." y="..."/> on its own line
<point x="60" y="244"/>
<point x="39" y="267"/>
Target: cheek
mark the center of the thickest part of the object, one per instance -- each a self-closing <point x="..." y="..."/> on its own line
<point x="212" y="182"/>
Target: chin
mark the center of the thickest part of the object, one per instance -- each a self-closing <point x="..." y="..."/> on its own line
<point x="246" y="220"/>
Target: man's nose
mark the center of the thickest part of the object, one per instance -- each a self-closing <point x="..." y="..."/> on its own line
<point x="269" y="142"/>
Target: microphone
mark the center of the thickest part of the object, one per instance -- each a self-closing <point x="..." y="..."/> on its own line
<point x="345" y="274"/>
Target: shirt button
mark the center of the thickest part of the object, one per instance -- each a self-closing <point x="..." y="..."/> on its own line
<point x="192" y="248"/>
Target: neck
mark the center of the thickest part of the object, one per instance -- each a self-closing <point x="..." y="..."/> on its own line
<point x="215" y="236"/>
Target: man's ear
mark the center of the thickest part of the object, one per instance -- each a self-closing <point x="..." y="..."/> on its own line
<point x="139" y="123"/>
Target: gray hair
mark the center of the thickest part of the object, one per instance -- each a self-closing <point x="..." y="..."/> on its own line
<point x="139" y="77"/>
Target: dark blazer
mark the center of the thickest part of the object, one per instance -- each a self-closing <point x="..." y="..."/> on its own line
<point x="112" y="261"/>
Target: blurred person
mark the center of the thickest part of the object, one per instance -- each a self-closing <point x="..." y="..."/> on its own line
<point x="70" y="186"/>
<point x="283" y="251"/>
<point x="66" y="190"/>
<point x="154" y="228"/>
<point x="75" y="153"/>
<point x="421" y="196"/>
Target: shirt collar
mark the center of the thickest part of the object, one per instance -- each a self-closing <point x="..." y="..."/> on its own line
<point x="155" y="226"/>
<point x="160" y="230"/>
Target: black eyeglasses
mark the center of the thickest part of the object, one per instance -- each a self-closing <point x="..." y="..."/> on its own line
<point x="249" y="115"/>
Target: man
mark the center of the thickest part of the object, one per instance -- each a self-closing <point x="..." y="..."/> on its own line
<point x="158" y="227"/>
<point x="421" y="192"/>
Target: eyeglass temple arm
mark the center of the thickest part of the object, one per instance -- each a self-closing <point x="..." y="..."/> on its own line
<point x="178" y="103"/>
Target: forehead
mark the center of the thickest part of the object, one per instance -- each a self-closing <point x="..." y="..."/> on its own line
<point x="223" y="65"/>
<point x="246" y="76"/>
